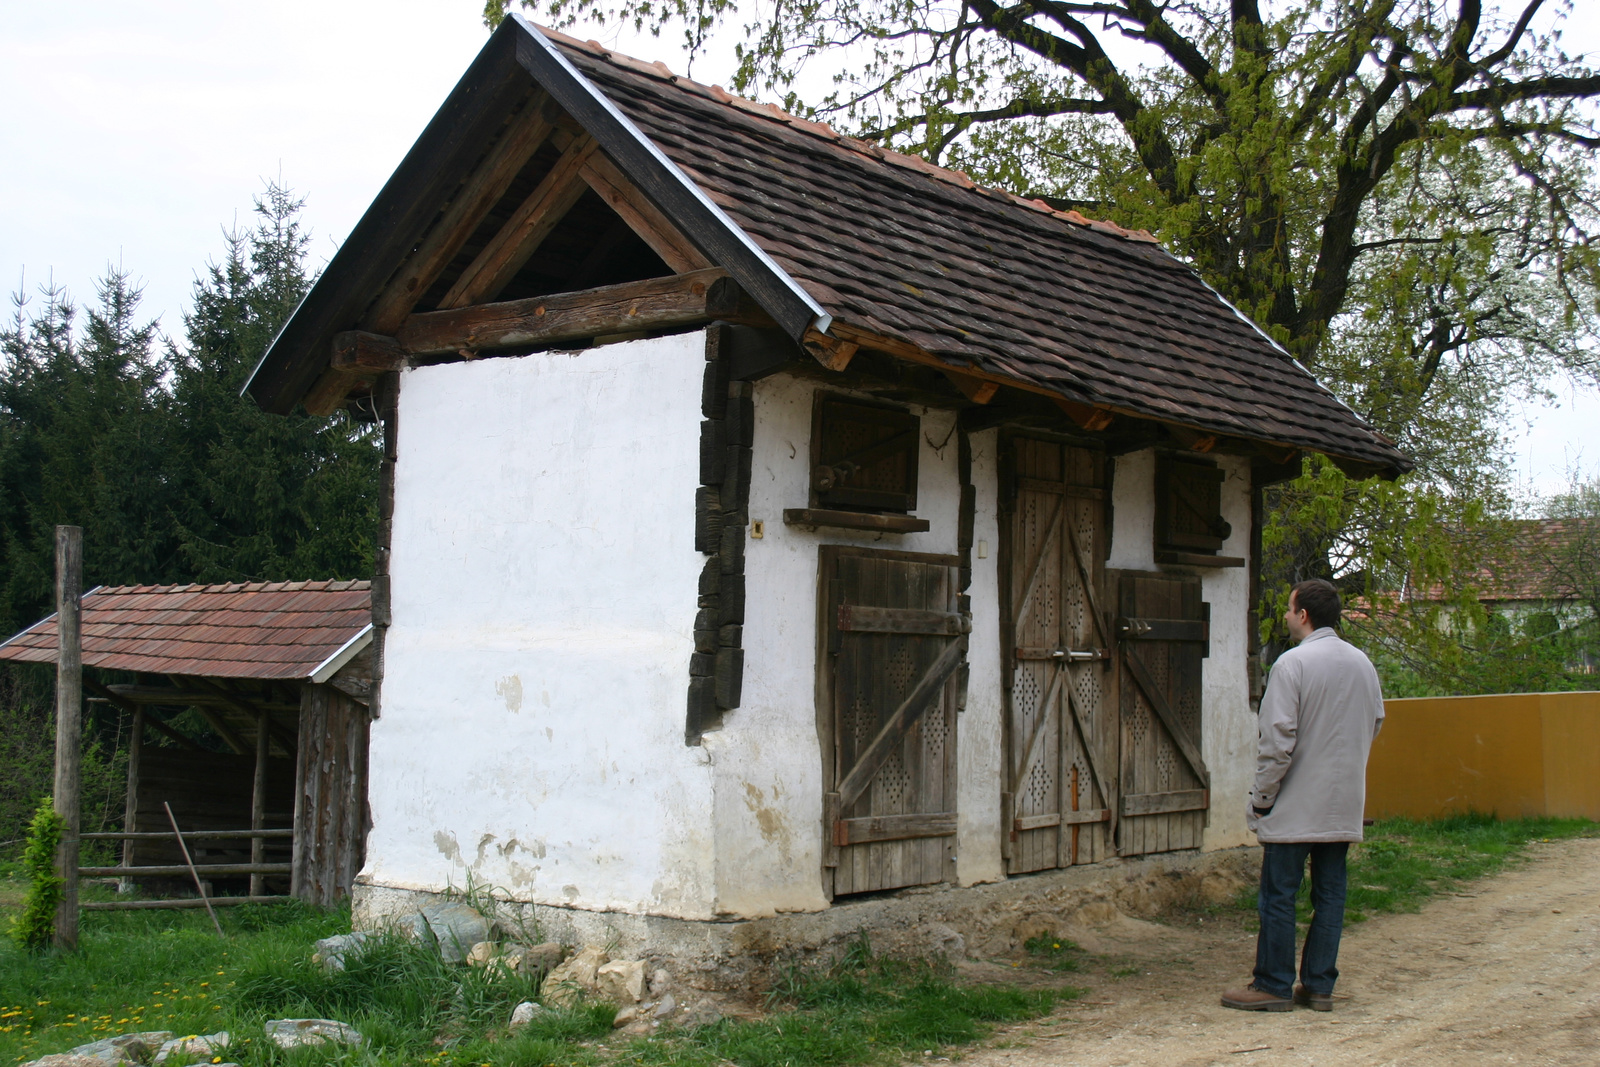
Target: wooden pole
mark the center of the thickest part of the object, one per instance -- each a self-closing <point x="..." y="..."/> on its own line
<point x="130" y="810"/>
<point x="258" y="804"/>
<point x="199" y="887"/>
<point x="69" y="723"/>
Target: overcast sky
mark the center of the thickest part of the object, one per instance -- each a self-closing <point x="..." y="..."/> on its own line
<point x="135" y="133"/>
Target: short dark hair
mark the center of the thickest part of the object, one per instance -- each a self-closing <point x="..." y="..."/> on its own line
<point x="1319" y="599"/>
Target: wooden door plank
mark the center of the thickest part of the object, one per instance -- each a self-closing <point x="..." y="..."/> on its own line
<point x="1031" y="753"/>
<point x="1158" y="702"/>
<point x="527" y="228"/>
<point x="1165" y="803"/>
<point x="893" y="827"/>
<point x="867" y="619"/>
<point x="1093" y="758"/>
<point x="1036" y="567"/>
<point x="894" y="730"/>
<point x="1085" y="574"/>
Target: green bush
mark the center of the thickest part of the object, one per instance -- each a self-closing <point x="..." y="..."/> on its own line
<point x="35" y="927"/>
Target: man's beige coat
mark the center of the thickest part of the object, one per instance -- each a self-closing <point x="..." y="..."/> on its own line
<point x="1320" y="713"/>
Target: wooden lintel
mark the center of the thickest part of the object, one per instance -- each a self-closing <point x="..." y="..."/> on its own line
<point x="975" y="389"/>
<point x="1086" y="416"/>
<point x="525" y="230"/>
<point x="653" y="304"/>
<point x="467" y="208"/>
<point x="832" y="352"/>
<point x="643" y="217"/>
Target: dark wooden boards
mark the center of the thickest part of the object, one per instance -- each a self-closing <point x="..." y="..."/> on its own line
<point x="653" y="304"/>
<point x="854" y="520"/>
<point x="1060" y="724"/>
<point x="888" y="693"/>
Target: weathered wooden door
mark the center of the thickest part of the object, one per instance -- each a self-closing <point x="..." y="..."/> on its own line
<point x="1059" y="799"/>
<point x="1162" y="629"/>
<point x="893" y="641"/>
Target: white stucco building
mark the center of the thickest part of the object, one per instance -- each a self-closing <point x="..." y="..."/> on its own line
<point x="771" y="519"/>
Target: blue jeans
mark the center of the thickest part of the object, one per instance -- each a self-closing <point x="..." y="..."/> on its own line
<point x="1282" y="868"/>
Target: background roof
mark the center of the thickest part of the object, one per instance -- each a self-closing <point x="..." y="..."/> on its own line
<point x="262" y="630"/>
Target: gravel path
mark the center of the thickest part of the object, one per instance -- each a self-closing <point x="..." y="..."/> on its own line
<point x="1506" y="972"/>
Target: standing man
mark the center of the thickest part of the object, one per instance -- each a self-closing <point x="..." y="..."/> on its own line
<point x="1320" y="713"/>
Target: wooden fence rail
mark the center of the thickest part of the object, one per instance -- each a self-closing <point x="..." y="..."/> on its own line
<point x="217" y="870"/>
<point x="187" y="902"/>
<point x="188" y="835"/>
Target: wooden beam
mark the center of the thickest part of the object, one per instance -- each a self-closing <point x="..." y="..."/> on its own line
<point x="653" y="304"/>
<point x="1087" y="416"/>
<point x="279" y="733"/>
<point x="643" y="217"/>
<point x="69" y="726"/>
<point x="358" y="356"/>
<point x="475" y="198"/>
<point x="149" y="720"/>
<point x="830" y="351"/>
<point x="978" y="390"/>
<point x="527" y="228"/>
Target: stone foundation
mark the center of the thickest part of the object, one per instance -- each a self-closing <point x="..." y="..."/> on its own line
<point x="975" y="921"/>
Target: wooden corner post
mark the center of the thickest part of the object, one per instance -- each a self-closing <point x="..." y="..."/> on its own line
<point x="69" y="723"/>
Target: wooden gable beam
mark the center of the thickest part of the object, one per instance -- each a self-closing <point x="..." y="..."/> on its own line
<point x="357" y="356"/>
<point x="643" y="217"/>
<point x="526" y="230"/>
<point x="654" y="304"/>
<point x="975" y="389"/>
<point x="476" y="197"/>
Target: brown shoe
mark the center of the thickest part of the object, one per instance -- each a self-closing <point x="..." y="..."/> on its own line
<point x="1314" y="1001"/>
<point x="1252" y="999"/>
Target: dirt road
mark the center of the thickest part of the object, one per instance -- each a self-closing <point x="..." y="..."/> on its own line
<point x="1507" y="972"/>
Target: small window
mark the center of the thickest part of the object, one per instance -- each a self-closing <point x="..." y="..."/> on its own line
<point x="1189" y="506"/>
<point x="863" y="456"/>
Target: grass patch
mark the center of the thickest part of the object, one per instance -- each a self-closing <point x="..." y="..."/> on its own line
<point x="865" y="1009"/>
<point x="168" y="971"/>
<point x="1404" y="863"/>
<point x="1054" y="953"/>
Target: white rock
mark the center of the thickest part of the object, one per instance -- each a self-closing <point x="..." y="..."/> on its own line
<point x="124" y="1048"/>
<point x="626" y="1015"/>
<point x="525" y="1013"/>
<point x="332" y="952"/>
<point x="481" y="953"/>
<point x="455" y="927"/>
<point x="563" y="986"/>
<point x="660" y="981"/>
<point x="203" y="1047"/>
<point x="621" y="981"/>
<point x="293" y="1033"/>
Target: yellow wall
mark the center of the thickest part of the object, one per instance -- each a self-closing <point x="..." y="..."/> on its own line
<point x="1511" y="754"/>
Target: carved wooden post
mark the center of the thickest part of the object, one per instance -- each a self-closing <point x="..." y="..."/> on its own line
<point x="69" y="722"/>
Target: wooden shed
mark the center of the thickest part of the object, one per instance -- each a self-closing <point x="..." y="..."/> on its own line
<point x="771" y="518"/>
<point x="281" y="673"/>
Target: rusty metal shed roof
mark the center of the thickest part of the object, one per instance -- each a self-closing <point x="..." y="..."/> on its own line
<point x="261" y="630"/>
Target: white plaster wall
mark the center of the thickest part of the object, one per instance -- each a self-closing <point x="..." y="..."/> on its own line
<point x="544" y="594"/>
<point x="767" y="757"/>
<point x="1228" y="727"/>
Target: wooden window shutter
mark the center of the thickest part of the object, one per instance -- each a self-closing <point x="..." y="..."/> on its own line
<point x="1189" y="505"/>
<point x="864" y="456"/>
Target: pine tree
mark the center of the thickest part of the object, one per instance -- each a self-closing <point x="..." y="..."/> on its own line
<point x="258" y="496"/>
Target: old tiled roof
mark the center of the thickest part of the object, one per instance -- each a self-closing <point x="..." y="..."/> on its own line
<point x="894" y="245"/>
<point x="264" y="630"/>
<point x="1525" y="561"/>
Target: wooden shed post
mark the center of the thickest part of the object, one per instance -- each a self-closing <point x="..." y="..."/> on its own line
<point x="258" y="805"/>
<point x="130" y="810"/>
<point x="69" y="722"/>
